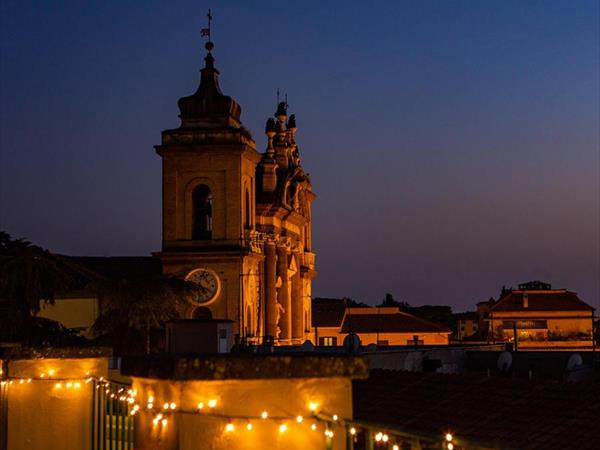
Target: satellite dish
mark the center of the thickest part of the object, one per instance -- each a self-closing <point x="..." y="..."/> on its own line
<point x="575" y="361"/>
<point x="307" y="346"/>
<point x="504" y="361"/>
<point x="351" y="343"/>
<point x="413" y="362"/>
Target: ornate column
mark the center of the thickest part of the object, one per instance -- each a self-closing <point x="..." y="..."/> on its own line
<point x="270" y="289"/>
<point x="283" y="295"/>
<point x="297" y="303"/>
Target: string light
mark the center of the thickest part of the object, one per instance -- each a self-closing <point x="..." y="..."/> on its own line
<point x="169" y="407"/>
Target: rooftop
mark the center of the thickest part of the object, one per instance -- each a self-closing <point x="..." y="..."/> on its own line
<point x="398" y="322"/>
<point x="502" y="413"/>
<point x="542" y="300"/>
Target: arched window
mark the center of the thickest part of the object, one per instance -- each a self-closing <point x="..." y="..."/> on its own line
<point x="202" y="224"/>
<point x="247" y="210"/>
<point x="249" y="321"/>
<point x="202" y="313"/>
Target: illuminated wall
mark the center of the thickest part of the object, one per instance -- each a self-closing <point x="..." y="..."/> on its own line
<point x="48" y="402"/>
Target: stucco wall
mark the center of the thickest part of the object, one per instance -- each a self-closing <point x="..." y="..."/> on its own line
<point x="247" y="399"/>
<point x="42" y="416"/>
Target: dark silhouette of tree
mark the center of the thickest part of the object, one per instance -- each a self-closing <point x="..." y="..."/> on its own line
<point x="29" y="275"/>
<point x="134" y="309"/>
<point x="354" y="304"/>
<point x="389" y="301"/>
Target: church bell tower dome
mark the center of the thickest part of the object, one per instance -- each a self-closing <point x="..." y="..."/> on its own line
<point x="208" y="107"/>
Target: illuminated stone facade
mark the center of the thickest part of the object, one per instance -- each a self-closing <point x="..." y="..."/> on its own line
<point x="235" y="220"/>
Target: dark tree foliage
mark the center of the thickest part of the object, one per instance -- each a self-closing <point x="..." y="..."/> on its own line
<point x="354" y="304"/>
<point x="133" y="312"/>
<point x="29" y="277"/>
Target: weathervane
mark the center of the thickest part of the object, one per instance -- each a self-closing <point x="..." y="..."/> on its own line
<point x="205" y="32"/>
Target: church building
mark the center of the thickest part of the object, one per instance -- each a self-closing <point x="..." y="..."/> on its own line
<point x="237" y="221"/>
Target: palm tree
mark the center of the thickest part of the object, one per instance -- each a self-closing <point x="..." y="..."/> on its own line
<point x="28" y="275"/>
<point x="139" y="306"/>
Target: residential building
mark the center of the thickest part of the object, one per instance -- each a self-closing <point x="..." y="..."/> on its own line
<point x="541" y="317"/>
<point x="333" y="320"/>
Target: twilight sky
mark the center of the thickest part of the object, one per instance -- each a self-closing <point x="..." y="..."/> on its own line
<point x="453" y="145"/>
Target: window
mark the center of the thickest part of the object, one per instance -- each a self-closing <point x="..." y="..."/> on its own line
<point x="525" y="324"/>
<point x="384" y="342"/>
<point x="202" y="213"/>
<point x="247" y="211"/>
<point x="328" y="341"/>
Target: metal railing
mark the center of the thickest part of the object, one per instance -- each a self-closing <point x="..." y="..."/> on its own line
<point x="112" y="426"/>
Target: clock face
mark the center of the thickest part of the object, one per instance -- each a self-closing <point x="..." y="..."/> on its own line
<point x="208" y="284"/>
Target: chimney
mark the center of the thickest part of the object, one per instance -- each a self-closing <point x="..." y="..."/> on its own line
<point x="525" y="300"/>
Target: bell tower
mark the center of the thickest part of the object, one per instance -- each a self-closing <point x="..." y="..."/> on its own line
<point x="208" y="202"/>
<point x="236" y="221"/>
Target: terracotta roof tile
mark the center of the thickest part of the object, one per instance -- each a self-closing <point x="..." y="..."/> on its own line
<point x="542" y="301"/>
<point x="497" y="412"/>
<point x="399" y="322"/>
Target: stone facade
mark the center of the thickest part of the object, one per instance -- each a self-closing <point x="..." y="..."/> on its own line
<point x="235" y="220"/>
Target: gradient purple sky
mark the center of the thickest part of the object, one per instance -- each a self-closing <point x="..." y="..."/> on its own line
<point x="453" y="145"/>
